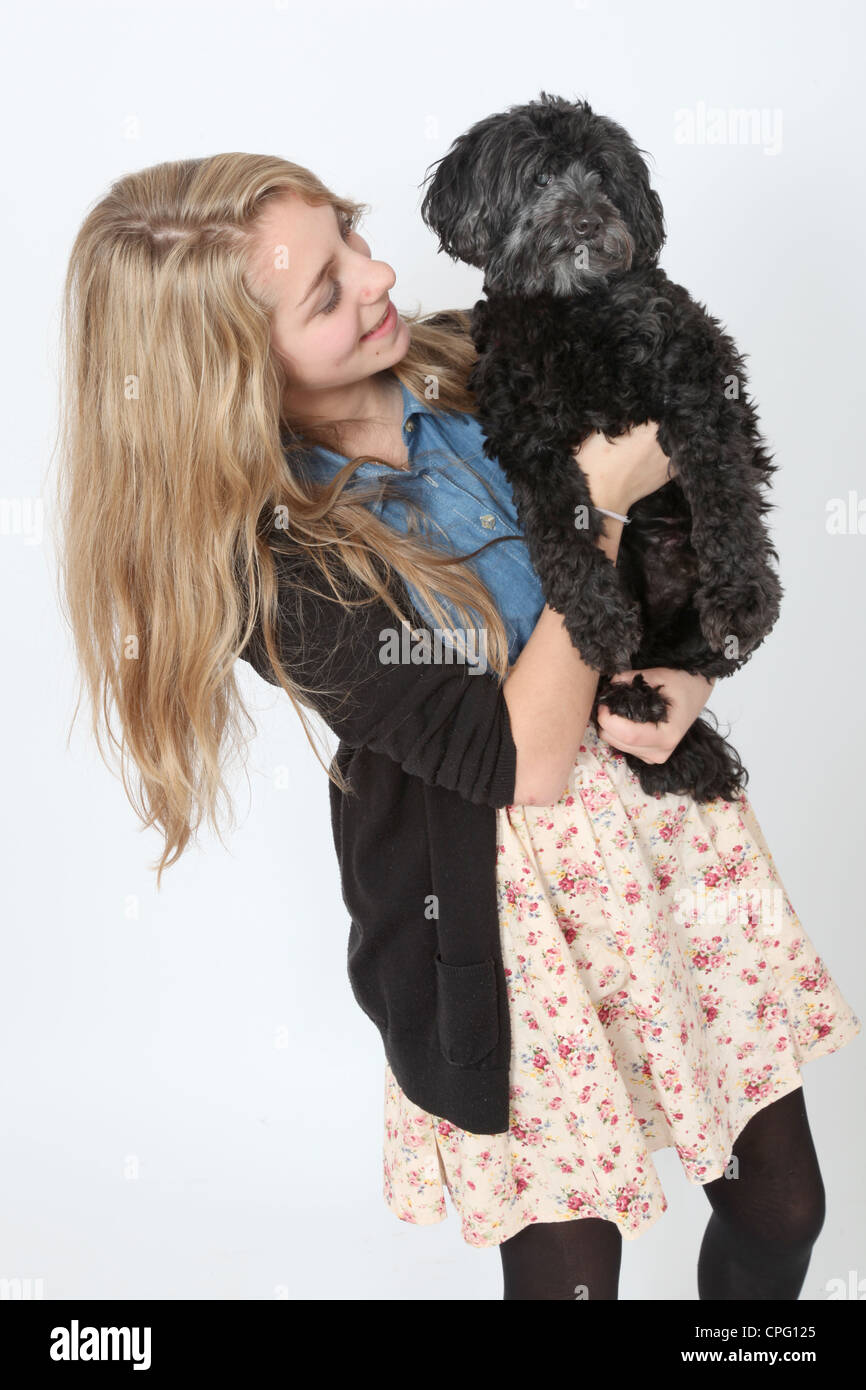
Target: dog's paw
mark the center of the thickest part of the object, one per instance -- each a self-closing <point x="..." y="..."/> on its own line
<point x="736" y="616"/>
<point x="636" y="700"/>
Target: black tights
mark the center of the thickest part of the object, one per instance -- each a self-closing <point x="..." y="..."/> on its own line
<point x="757" y="1244"/>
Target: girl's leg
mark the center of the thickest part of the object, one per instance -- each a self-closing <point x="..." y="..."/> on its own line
<point x="766" y="1219"/>
<point x="573" y="1259"/>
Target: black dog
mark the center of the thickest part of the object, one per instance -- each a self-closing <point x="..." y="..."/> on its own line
<point x="582" y="331"/>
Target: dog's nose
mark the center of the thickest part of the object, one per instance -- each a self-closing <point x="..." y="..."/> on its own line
<point x="588" y="226"/>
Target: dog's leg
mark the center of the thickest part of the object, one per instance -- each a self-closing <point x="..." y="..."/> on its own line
<point x="578" y="580"/>
<point x="739" y="594"/>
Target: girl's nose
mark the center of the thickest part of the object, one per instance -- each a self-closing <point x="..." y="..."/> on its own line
<point x="380" y="277"/>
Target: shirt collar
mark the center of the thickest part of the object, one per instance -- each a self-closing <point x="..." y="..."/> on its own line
<point x="412" y="408"/>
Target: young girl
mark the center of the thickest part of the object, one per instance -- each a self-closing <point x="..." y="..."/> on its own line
<point x="261" y="457"/>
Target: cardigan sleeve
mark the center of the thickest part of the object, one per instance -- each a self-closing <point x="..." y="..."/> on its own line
<point x="439" y="722"/>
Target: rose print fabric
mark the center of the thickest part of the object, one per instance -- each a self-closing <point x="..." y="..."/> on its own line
<point x="661" y="991"/>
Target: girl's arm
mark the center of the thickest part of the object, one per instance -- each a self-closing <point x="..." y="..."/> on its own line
<point x="550" y="692"/>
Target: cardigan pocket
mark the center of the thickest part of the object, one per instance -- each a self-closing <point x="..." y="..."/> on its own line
<point x="467" y="1011"/>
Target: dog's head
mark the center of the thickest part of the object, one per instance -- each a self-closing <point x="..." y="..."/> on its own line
<point x="545" y="197"/>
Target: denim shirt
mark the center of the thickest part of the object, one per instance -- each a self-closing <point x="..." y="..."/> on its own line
<point x="463" y="509"/>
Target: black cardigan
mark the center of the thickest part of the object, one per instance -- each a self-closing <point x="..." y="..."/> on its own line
<point x="429" y="753"/>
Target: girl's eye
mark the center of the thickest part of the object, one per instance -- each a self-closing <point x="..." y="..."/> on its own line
<point x="334" y="300"/>
<point x="345" y="231"/>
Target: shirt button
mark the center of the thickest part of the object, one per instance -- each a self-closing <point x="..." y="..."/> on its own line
<point x="410" y="425"/>
<point x="488" y="521"/>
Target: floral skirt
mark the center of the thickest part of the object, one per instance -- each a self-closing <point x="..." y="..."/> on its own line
<point x="661" y="991"/>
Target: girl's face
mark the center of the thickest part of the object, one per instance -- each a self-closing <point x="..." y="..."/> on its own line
<point x="330" y="297"/>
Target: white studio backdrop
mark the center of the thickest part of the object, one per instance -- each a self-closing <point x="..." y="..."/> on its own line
<point x="191" y="1101"/>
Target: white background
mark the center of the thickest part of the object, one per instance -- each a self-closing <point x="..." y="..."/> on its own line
<point x="155" y="1139"/>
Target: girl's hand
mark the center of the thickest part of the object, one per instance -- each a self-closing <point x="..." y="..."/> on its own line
<point x="654" y="743"/>
<point x="619" y="472"/>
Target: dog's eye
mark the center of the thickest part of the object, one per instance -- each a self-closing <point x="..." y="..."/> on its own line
<point x="542" y="178"/>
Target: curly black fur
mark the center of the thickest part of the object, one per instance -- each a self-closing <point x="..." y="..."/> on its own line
<point x="581" y="331"/>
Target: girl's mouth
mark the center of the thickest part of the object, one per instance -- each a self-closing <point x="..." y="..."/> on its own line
<point x="385" y="323"/>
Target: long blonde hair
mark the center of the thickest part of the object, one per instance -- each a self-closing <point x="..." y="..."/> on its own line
<point x="176" y="470"/>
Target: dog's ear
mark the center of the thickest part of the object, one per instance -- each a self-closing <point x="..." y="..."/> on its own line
<point x="646" y="213"/>
<point x="455" y="207"/>
<point x="637" y="200"/>
<point x="650" y="223"/>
